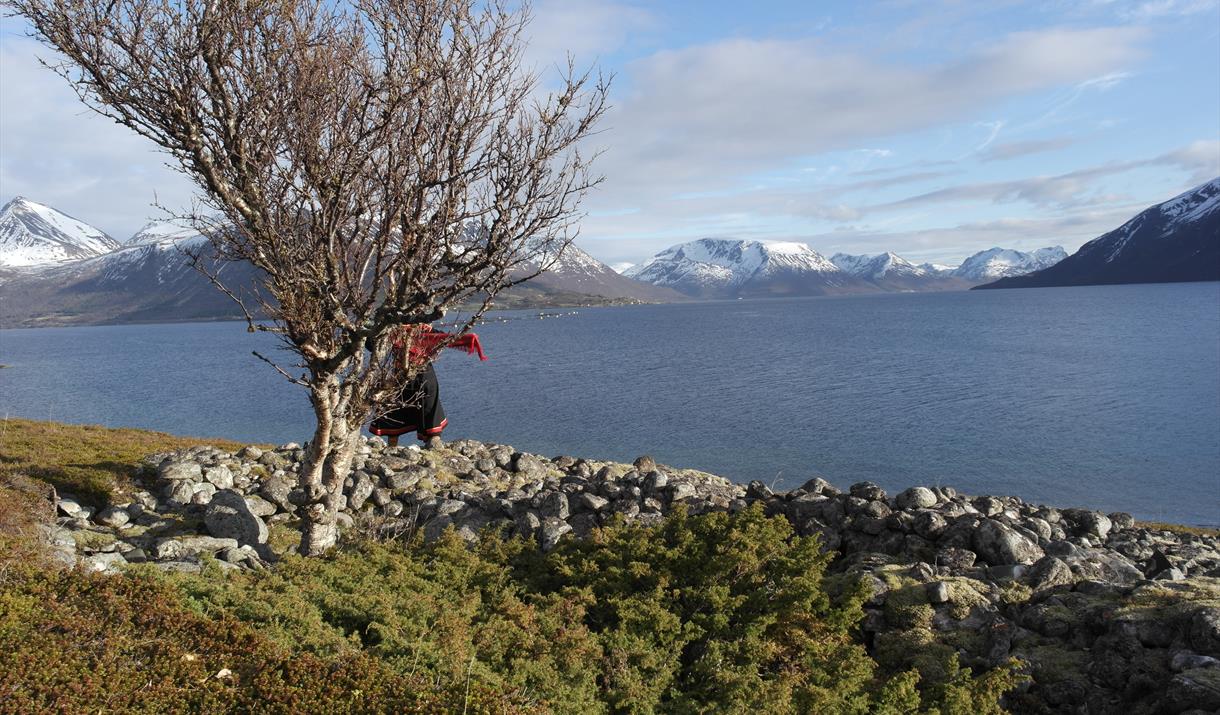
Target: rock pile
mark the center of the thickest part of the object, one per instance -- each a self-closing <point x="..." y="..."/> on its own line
<point x="1107" y="616"/>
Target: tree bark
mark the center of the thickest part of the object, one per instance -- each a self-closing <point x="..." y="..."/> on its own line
<point x="327" y="463"/>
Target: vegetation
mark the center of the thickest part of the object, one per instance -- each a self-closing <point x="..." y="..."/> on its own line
<point x="94" y="463"/>
<point x="715" y="613"/>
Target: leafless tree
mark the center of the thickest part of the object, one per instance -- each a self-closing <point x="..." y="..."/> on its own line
<point x="379" y="162"/>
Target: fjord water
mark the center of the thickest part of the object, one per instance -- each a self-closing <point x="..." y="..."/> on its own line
<point x="1106" y="397"/>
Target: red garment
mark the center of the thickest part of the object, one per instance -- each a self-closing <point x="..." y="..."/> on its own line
<point x="427" y="341"/>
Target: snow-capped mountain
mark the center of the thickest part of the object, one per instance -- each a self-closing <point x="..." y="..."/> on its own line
<point x="726" y="268"/>
<point x="576" y="272"/>
<point x="1174" y="241"/>
<point x="150" y="276"/>
<point x="891" y="272"/>
<point x="33" y="234"/>
<point x="1003" y="262"/>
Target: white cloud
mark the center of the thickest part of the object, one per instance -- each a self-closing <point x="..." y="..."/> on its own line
<point x="56" y="151"/>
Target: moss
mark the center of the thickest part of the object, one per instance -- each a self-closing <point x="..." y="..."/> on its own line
<point x="92" y="540"/>
<point x="1053" y="662"/>
<point x="1178" y="528"/>
<point x="97" y="464"/>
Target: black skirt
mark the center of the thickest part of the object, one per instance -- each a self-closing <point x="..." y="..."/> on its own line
<point x="418" y="410"/>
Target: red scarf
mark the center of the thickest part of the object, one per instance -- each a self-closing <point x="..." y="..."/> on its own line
<point x="426" y="342"/>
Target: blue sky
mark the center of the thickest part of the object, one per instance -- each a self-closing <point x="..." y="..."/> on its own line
<point x="931" y="128"/>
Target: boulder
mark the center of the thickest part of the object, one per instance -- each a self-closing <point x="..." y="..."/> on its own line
<point x="999" y="544"/>
<point x="228" y="516"/>
<point x="916" y="498"/>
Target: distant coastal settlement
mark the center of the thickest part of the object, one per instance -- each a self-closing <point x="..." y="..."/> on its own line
<point x="1086" y="602"/>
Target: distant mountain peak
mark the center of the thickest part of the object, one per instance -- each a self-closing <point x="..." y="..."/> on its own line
<point x="998" y="262"/>
<point x="1176" y="240"/>
<point x="34" y="234"/>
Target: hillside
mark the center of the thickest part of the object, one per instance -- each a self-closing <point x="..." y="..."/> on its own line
<point x="1171" y="242"/>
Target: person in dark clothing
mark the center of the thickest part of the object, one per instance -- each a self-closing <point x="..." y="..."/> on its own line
<point x="418" y="406"/>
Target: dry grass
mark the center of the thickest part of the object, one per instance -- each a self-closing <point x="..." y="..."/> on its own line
<point x="94" y="463"/>
<point x="1178" y="528"/>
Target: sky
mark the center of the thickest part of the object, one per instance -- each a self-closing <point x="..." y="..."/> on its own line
<point x="930" y="128"/>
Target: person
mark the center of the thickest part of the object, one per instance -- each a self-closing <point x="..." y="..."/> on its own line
<point x="418" y="407"/>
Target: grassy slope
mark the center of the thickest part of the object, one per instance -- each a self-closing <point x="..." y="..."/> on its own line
<point x="627" y="622"/>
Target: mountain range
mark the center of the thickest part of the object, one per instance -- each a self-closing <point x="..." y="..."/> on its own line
<point x="1174" y="241"/>
<point x="57" y="270"/>
<point x="733" y="268"/>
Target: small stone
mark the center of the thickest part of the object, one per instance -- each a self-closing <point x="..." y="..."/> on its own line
<point x="70" y="507"/>
<point x="113" y="516"/>
<point x="758" y="491"/>
<point x="655" y="481"/>
<point x="260" y="506"/>
<point x="644" y="464"/>
<point x="250" y="453"/>
<point x="1185" y="660"/>
<point x="938" y="592"/>
<point x="392" y="508"/>
<point x="999" y="544"/>
<point x="203" y="493"/>
<point x="1172" y="573"/>
<point x="103" y="563"/>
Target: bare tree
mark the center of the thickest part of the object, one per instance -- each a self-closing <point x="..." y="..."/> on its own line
<point x="379" y="162"/>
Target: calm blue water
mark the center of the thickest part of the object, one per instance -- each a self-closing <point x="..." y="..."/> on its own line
<point x="1106" y="397"/>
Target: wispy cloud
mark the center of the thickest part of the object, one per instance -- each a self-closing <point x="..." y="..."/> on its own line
<point x="1014" y="149"/>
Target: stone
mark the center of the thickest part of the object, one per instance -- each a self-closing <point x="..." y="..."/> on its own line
<point x="1185" y="660"/>
<point x="999" y="544"/>
<point x="818" y="485"/>
<point x="180" y="470"/>
<point x="938" y="592"/>
<point x="362" y="488"/>
<point x="868" y="491"/>
<point x="644" y="464"/>
<point x="552" y="531"/>
<point x="529" y="466"/>
<point x="592" y="502"/>
<point x="219" y="476"/>
<point x="681" y="491"/>
<point x="655" y="481"/>
<point x="1205" y="630"/>
<point x="1085" y="523"/>
<point x="916" y="498"/>
<point x="228" y="516"/>
<point x="113" y="516"/>
<point x="1197" y="689"/>
<point x="203" y="493"/>
<point x="955" y="560"/>
<point x="928" y="524"/>
<point x="1121" y="521"/>
<point x="183" y="546"/>
<point x="555" y="504"/>
<point x="1049" y="572"/>
<point x="758" y="491"/>
<point x="260" y="506"/>
<point x="103" y="563"/>
<point x="277" y="488"/>
<point x="250" y="453"/>
<point x="988" y="506"/>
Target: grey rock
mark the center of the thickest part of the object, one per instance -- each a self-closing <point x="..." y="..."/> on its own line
<point x="177" y="548"/>
<point x="867" y="490"/>
<point x="655" y="481"/>
<point x="1049" y="572"/>
<point x="644" y="464"/>
<point x="1192" y="690"/>
<point x="362" y="488"/>
<point x="113" y="516"/>
<point x="259" y="506"/>
<point x="277" y="488"/>
<point x="592" y="502"/>
<point x="1205" y="631"/>
<point x="1185" y="660"/>
<point x="938" y="592"/>
<point x="203" y="493"/>
<point x="555" y="505"/>
<point x="103" y="563"/>
<point x="553" y="530"/>
<point x="219" y="476"/>
<point x="916" y="498"/>
<point x="393" y="508"/>
<point x="928" y="524"/>
<point x="756" y="490"/>
<point x="1000" y="544"/>
<point x="681" y="491"/>
<point x="988" y="506"/>
<point x="228" y="516"/>
<point x="1087" y="523"/>
<point x="178" y="470"/>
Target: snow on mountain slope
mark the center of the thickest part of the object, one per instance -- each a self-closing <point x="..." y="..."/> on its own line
<point x="1004" y="262"/>
<point x="161" y="232"/>
<point x="879" y="266"/>
<point x="712" y="267"/>
<point x="33" y="234"/>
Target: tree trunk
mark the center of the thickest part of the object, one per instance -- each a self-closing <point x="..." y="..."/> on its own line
<point x="327" y="463"/>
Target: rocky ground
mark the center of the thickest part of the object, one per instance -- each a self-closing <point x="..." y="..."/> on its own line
<point x="1106" y="616"/>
